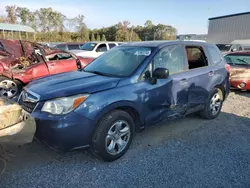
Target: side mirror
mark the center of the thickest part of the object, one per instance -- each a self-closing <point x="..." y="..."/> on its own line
<point x="161" y="73"/>
<point x="234" y="50"/>
<point x="78" y="64"/>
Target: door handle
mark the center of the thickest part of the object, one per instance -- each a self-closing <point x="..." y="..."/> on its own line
<point x="52" y="64"/>
<point x="211" y="73"/>
<point x="183" y="81"/>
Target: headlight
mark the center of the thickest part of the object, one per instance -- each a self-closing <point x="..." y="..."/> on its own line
<point x="63" y="105"/>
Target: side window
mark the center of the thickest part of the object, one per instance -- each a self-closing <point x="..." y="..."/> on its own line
<point x="239" y="47"/>
<point x="73" y="47"/>
<point x="101" y="48"/>
<point x="62" y="47"/>
<point x="196" y="57"/>
<point x="215" y="55"/>
<point x="111" y="45"/>
<point x="171" y="57"/>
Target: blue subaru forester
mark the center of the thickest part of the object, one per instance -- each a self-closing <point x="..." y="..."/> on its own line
<point x="124" y="90"/>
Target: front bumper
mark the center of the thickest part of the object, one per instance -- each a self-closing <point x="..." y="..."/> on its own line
<point x="237" y="84"/>
<point x="65" y="132"/>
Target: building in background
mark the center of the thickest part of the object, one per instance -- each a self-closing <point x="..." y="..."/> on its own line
<point x="201" y="37"/>
<point x="16" y="31"/>
<point x="226" y="29"/>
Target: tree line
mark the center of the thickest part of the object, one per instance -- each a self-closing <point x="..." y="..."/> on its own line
<point x="53" y="26"/>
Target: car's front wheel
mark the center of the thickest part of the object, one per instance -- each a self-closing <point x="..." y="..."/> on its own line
<point x="113" y="136"/>
<point x="213" y="105"/>
<point x="10" y="88"/>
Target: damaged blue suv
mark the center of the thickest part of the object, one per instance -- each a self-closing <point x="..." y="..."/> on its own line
<point x="124" y="90"/>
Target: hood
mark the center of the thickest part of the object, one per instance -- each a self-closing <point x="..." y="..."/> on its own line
<point x="240" y="72"/>
<point x="71" y="83"/>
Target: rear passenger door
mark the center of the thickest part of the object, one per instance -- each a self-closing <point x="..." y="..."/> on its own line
<point x="199" y="76"/>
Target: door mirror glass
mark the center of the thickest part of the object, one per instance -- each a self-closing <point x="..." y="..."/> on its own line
<point x="161" y="73"/>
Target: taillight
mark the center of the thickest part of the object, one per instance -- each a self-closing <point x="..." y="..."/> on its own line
<point x="227" y="67"/>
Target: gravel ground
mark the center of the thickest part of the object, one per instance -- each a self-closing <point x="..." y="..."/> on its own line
<point x="190" y="152"/>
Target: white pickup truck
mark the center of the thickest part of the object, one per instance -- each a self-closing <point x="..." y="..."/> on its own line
<point x="95" y="49"/>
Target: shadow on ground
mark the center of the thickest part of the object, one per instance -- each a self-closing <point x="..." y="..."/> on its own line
<point x="36" y="154"/>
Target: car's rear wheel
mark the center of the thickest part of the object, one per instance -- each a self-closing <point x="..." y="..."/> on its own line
<point x="9" y="88"/>
<point x="213" y="105"/>
<point x="113" y="136"/>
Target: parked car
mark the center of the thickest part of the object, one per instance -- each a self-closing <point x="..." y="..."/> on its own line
<point x="124" y="90"/>
<point x="240" y="69"/>
<point x="226" y="48"/>
<point x="95" y="49"/>
<point x="69" y="46"/>
<point x="22" y="62"/>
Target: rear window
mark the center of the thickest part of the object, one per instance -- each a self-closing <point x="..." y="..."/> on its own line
<point x="215" y="55"/>
<point x="238" y="59"/>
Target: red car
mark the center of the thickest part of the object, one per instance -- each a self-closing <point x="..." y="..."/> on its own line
<point x="23" y="61"/>
<point x="240" y="69"/>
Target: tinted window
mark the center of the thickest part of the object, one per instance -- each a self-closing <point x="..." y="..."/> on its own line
<point x="111" y="45"/>
<point x="224" y="47"/>
<point x="170" y="57"/>
<point x="89" y="46"/>
<point x="61" y="47"/>
<point x="238" y="59"/>
<point x="102" y="48"/>
<point x="215" y="55"/>
<point x="120" y="61"/>
<point x="73" y="47"/>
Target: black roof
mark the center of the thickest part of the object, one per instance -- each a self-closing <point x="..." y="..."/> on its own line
<point x="163" y="43"/>
<point x="231" y="15"/>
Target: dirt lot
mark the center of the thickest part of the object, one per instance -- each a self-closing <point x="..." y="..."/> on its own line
<point x="190" y="152"/>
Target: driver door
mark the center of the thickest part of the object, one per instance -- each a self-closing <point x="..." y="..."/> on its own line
<point x="167" y="98"/>
<point x="64" y="62"/>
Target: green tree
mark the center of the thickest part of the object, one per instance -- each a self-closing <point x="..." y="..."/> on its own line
<point x="3" y="19"/>
<point x="103" y="38"/>
<point x="23" y="13"/>
<point x="98" y="38"/>
<point x="11" y="14"/>
<point x="92" y="37"/>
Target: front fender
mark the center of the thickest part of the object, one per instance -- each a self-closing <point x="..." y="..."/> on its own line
<point x="99" y="104"/>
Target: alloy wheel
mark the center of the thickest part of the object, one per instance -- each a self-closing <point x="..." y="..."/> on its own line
<point x="215" y="103"/>
<point x="8" y="88"/>
<point x="118" y="137"/>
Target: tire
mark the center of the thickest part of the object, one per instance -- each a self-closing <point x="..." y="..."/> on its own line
<point x="207" y="112"/>
<point x="105" y="138"/>
<point x="18" y="87"/>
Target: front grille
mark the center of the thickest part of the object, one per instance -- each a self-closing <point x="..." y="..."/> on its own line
<point x="27" y="101"/>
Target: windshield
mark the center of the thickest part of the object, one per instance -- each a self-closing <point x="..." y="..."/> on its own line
<point x="238" y="59"/>
<point x="121" y="61"/>
<point x="89" y="46"/>
<point x="224" y="47"/>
